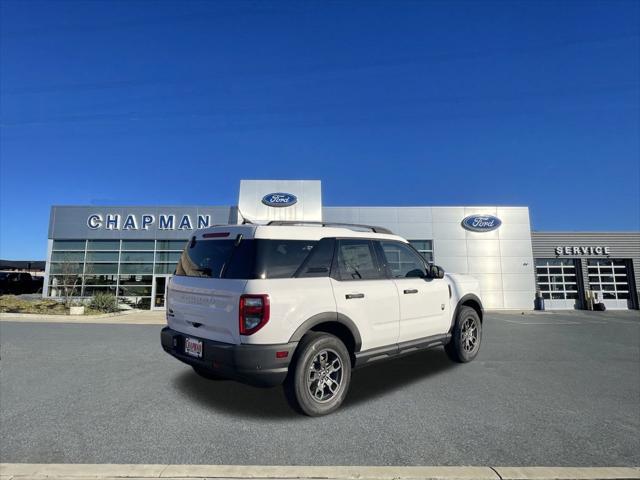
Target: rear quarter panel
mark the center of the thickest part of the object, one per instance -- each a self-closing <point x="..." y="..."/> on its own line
<point x="292" y="301"/>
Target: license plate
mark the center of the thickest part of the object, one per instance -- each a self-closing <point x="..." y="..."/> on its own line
<point x="193" y="347"/>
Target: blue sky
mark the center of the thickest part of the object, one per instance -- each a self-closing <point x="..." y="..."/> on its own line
<point x="388" y="103"/>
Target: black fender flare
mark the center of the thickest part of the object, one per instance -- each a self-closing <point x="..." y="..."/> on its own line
<point x="328" y="317"/>
<point x="463" y="299"/>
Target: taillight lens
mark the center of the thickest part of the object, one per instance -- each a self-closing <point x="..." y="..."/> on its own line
<point x="254" y="313"/>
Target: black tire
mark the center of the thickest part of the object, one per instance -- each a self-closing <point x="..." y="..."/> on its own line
<point x="465" y="337"/>
<point x="206" y="373"/>
<point x="323" y="356"/>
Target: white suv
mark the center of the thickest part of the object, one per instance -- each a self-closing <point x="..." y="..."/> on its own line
<point x="303" y="304"/>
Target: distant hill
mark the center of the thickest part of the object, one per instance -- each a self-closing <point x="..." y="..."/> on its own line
<point x="31" y="265"/>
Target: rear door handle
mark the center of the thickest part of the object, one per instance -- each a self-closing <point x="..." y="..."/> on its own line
<point x="412" y="290"/>
<point x="349" y="296"/>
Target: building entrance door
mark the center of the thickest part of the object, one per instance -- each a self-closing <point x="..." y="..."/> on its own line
<point x="159" y="293"/>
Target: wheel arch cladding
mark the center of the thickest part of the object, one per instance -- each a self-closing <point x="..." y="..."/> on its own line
<point x="334" y="323"/>
<point x="472" y="301"/>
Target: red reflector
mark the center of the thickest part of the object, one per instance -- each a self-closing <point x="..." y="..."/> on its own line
<point x="283" y="354"/>
<point x="215" y="235"/>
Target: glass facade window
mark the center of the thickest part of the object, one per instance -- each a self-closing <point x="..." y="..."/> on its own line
<point x="65" y="280"/>
<point x="68" y="245"/>
<point x="608" y="278"/>
<point x="124" y="268"/>
<point x="62" y="290"/>
<point x="131" y="291"/>
<point x="100" y="279"/>
<point x="90" y="291"/>
<point x="97" y="268"/>
<point x="171" y="257"/>
<point x="102" y="256"/>
<point x="142" y="303"/>
<point x="165" y="268"/>
<point x="136" y="279"/>
<point x="138" y="245"/>
<point x="67" y="256"/>
<point x="136" y="268"/>
<point x="171" y="245"/>
<point x="66" y="268"/>
<point x="556" y="278"/>
<point x="136" y="257"/>
<point x="103" y="245"/>
<point x="424" y="247"/>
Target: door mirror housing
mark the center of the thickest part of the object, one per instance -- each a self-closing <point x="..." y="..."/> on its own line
<point x="436" y="271"/>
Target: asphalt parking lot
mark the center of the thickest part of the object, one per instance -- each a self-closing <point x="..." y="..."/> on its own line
<point x="546" y="389"/>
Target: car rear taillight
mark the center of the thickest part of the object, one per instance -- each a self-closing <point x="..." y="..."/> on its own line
<point x="254" y="313"/>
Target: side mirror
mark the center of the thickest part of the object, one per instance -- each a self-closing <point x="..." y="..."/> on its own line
<point x="436" y="271"/>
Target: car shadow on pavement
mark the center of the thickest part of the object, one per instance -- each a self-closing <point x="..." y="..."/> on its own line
<point x="386" y="377"/>
<point x="227" y="396"/>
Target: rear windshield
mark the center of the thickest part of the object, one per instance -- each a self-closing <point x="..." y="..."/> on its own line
<point x="250" y="259"/>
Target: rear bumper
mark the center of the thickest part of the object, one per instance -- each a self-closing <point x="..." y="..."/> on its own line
<point x="253" y="364"/>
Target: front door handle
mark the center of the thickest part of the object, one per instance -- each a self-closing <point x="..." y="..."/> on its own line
<point x="412" y="290"/>
<point x="349" y="296"/>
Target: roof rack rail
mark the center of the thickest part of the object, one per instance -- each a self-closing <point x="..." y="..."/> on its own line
<point x="352" y="226"/>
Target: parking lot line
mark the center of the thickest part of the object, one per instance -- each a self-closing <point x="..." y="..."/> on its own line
<point x="516" y="322"/>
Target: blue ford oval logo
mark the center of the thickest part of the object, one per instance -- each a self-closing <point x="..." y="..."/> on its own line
<point x="279" y="199"/>
<point x="481" y="223"/>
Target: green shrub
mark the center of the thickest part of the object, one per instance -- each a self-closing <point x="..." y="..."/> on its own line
<point x="104" y="302"/>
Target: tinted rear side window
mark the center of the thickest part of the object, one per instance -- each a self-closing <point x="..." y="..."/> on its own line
<point x="281" y="258"/>
<point x="250" y="259"/>
<point x="204" y="258"/>
<point x="318" y="263"/>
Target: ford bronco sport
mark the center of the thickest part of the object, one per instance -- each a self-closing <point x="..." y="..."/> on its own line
<point x="302" y="304"/>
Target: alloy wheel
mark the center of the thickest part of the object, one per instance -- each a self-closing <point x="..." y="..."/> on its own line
<point x="469" y="335"/>
<point x="324" y="377"/>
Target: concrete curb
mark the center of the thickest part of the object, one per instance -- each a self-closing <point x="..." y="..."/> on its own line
<point x="129" y="317"/>
<point x="23" y="471"/>
<point x="567" y="473"/>
<point x="44" y="315"/>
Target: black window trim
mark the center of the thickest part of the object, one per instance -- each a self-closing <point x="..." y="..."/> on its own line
<point x="299" y="273"/>
<point x="382" y="259"/>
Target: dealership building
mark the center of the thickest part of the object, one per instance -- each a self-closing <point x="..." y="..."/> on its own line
<point x="132" y="251"/>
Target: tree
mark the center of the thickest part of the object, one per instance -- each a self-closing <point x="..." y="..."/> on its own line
<point x="68" y="274"/>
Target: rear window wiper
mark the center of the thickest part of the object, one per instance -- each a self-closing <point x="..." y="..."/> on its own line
<point x="236" y="244"/>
